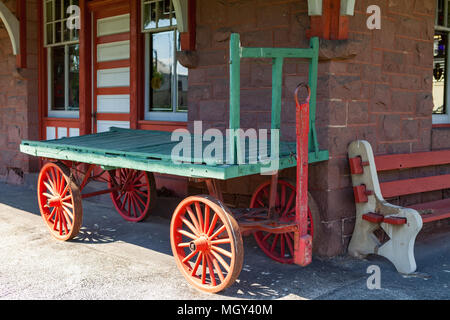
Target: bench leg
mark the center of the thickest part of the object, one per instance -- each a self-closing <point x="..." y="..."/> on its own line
<point x="363" y="241"/>
<point x="400" y="248"/>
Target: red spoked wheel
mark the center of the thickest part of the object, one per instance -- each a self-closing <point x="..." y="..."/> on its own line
<point x="206" y="243"/>
<point x="136" y="193"/>
<point x="279" y="247"/>
<point x="59" y="201"/>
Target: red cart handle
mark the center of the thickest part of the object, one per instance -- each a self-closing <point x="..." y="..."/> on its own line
<point x="302" y="85"/>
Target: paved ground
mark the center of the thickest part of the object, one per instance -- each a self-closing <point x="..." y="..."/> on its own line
<point x="114" y="259"/>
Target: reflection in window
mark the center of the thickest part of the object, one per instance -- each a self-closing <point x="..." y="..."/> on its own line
<point x="158" y="14"/>
<point x="439" y="72"/>
<point x="65" y="68"/>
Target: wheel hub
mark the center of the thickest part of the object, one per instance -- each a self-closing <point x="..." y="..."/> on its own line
<point x="201" y="244"/>
<point x="54" y="202"/>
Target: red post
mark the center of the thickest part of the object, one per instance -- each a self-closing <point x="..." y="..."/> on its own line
<point x="303" y="241"/>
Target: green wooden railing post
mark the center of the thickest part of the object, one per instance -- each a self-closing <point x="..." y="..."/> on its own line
<point x="235" y="94"/>
<point x="313" y="71"/>
<point x="277" y="80"/>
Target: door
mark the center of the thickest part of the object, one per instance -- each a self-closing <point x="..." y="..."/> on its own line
<point x="111" y="69"/>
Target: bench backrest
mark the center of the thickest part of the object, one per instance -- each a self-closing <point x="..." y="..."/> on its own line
<point x="409" y="161"/>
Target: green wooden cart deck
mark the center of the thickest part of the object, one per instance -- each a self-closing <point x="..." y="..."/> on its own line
<point x="151" y="151"/>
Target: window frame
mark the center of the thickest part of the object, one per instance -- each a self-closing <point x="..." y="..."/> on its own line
<point x="49" y="49"/>
<point x="63" y="22"/>
<point x="175" y="115"/>
<point x="445" y="117"/>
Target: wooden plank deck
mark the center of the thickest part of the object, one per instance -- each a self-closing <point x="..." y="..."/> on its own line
<point x="151" y="151"/>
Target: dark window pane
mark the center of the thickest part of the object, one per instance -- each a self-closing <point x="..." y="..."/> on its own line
<point x="58" y="10"/>
<point x="439" y="72"/>
<point x="74" y="71"/>
<point x="58" y="79"/>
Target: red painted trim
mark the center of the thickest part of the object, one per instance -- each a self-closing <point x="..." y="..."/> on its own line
<point x="135" y="53"/>
<point x="373" y="217"/>
<point x="85" y="69"/>
<point x="395" y="220"/>
<point x="331" y="25"/>
<point x="113" y="116"/>
<point x="113" y="38"/>
<point x="417" y="185"/>
<point x="61" y="122"/>
<point x="42" y="71"/>
<point x="21" y="59"/>
<point x="108" y="8"/>
<point x="115" y="90"/>
<point x="412" y="160"/>
<point x="442" y="125"/>
<point x="112" y="64"/>
<point x="161" y="125"/>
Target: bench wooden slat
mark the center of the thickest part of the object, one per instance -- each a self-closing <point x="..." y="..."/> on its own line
<point x="417" y="185"/>
<point x="412" y="160"/>
<point x="440" y="210"/>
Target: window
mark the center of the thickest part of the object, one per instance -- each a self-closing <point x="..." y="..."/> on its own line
<point x="63" y="59"/>
<point x="441" y="110"/>
<point x="166" y="80"/>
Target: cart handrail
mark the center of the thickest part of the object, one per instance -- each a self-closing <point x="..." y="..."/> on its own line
<point x="237" y="52"/>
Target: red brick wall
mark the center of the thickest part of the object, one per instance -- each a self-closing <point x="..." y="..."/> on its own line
<point x="375" y="86"/>
<point x="18" y="100"/>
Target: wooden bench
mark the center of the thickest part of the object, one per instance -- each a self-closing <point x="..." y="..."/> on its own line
<point x="374" y="214"/>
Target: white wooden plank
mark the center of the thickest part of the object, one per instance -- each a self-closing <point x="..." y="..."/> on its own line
<point x="119" y="103"/>
<point x="50" y="133"/>
<point x="104" y="125"/>
<point x="113" y="25"/>
<point x="117" y="77"/>
<point x="74" y="132"/>
<point x="62" y="132"/>
<point x="119" y="50"/>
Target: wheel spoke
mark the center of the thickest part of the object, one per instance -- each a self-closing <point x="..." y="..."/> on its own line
<point x="50" y="189"/>
<point x="198" y="210"/>
<point x="289" y="243"/>
<point x="274" y="243"/>
<point x="216" y="265"/>
<point x="221" y="260"/>
<point x="187" y="234"/>
<point x="213" y="224"/>
<point x="289" y="204"/>
<point x="221" y="241"/>
<point x="222" y="251"/>
<point x="190" y="226"/>
<point x="197" y="263"/>
<point x="203" y="269"/>
<point x="193" y="219"/>
<point x="67" y="211"/>
<point x="221" y="229"/>
<point x="189" y="257"/>
<point x="282" y="245"/>
<point x="212" y="275"/>
<point x="206" y="223"/>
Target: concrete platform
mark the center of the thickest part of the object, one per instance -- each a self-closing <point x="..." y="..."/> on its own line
<point x="115" y="259"/>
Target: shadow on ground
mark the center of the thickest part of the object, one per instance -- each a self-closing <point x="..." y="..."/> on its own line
<point x="262" y="278"/>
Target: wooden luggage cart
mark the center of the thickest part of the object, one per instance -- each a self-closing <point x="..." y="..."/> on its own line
<point x="206" y="235"/>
